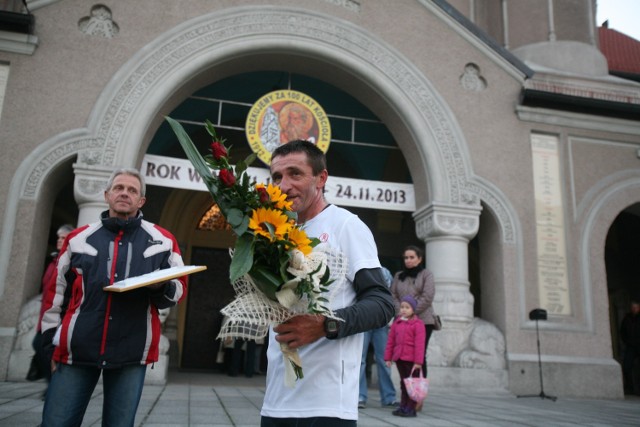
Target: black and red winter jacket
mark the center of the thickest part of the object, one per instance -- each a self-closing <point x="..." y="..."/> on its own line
<point x="93" y="327"/>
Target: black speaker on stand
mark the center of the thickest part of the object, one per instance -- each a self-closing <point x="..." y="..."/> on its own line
<point x="539" y="314"/>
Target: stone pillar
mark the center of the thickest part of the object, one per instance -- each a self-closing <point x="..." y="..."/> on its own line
<point x="446" y="230"/>
<point x="88" y="190"/>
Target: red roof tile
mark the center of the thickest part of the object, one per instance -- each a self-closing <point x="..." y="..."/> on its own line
<point x="622" y="52"/>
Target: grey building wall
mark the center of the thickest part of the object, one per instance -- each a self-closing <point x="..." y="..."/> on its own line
<point x="94" y="96"/>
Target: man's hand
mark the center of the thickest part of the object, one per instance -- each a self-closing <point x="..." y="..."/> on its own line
<point x="300" y="330"/>
<point x="156" y="286"/>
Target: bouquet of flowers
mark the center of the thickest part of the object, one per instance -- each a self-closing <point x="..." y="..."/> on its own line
<point x="275" y="270"/>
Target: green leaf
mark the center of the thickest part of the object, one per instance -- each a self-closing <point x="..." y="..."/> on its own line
<point x="270" y="228"/>
<point x="242" y="165"/>
<point x="240" y="168"/>
<point x="250" y="159"/>
<point x="192" y="152"/>
<point x="235" y="217"/>
<point x="326" y="276"/>
<point x="210" y="129"/>
<point x="242" y="257"/>
<point x="268" y="282"/>
<point x="294" y="216"/>
<point x="242" y="227"/>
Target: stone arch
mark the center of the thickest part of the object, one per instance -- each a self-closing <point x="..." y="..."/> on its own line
<point x="132" y="105"/>
<point x="34" y="176"/>
<point x="498" y="211"/>
<point x="596" y="213"/>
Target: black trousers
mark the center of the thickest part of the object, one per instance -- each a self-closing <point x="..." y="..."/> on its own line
<point x="306" y="422"/>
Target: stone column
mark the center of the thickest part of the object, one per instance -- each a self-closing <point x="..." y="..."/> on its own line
<point x="88" y="190"/>
<point x="446" y="230"/>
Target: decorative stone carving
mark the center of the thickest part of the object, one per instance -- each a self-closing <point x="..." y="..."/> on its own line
<point x="456" y="302"/>
<point x="89" y="157"/>
<point x="352" y="5"/>
<point x="22" y="352"/>
<point x="469" y="199"/>
<point x="486" y="348"/>
<point x="444" y="345"/>
<point x="90" y="182"/>
<point x="471" y="79"/>
<point x="89" y="189"/>
<point x="454" y="224"/>
<point x="498" y="207"/>
<point x="48" y="161"/>
<point x="99" y="23"/>
<point x="27" y="321"/>
<point x="476" y="345"/>
<point x="447" y="220"/>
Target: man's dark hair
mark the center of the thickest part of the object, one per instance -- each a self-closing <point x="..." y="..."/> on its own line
<point x="315" y="156"/>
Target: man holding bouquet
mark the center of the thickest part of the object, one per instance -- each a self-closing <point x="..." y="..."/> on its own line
<point x="331" y="349"/>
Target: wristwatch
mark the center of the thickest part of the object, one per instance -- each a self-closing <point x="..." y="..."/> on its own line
<point x="331" y="328"/>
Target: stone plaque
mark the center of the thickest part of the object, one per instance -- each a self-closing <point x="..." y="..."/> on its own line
<point x="553" y="286"/>
<point x="4" y="76"/>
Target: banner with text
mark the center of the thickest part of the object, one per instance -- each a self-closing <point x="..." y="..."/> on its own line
<point x="179" y="173"/>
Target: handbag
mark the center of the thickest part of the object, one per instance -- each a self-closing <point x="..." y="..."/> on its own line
<point x="417" y="387"/>
<point x="437" y="323"/>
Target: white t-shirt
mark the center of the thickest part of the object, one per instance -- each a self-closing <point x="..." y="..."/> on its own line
<point x="331" y="367"/>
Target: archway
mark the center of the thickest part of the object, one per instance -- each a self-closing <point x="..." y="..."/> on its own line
<point x="185" y="58"/>
<point x="361" y="148"/>
<point x="622" y="250"/>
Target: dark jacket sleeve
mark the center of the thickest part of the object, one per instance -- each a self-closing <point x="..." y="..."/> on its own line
<point x="374" y="305"/>
<point x="46" y="343"/>
<point x="166" y="295"/>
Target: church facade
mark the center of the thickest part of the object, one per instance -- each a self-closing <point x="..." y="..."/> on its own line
<point x="492" y="132"/>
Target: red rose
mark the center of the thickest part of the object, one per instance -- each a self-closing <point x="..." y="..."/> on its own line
<point x="227" y="177"/>
<point x="262" y="193"/>
<point x="219" y="151"/>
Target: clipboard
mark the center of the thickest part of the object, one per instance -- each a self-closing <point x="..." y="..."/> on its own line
<point x="153" y="277"/>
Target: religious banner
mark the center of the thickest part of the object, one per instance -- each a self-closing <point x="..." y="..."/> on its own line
<point x="282" y="116"/>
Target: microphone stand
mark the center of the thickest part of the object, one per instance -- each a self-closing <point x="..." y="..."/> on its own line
<point x="541" y="395"/>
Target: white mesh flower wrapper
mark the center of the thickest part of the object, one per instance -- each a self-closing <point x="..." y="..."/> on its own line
<point x="251" y="313"/>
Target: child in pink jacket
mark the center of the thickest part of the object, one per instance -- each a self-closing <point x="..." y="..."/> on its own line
<point x="405" y="346"/>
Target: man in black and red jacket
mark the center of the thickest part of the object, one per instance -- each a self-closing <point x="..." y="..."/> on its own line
<point x="91" y="332"/>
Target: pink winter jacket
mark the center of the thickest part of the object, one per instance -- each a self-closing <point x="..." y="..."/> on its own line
<point x="406" y="341"/>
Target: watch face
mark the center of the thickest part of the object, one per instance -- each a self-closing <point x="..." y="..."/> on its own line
<point x="332" y="326"/>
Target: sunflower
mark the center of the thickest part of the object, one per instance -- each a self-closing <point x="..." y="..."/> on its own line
<point x="301" y="240"/>
<point x="278" y="198"/>
<point x="270" y="223"/>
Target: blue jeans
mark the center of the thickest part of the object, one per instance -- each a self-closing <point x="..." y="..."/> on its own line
<point x="71" y="388"/>
<point x="378" y="337"/>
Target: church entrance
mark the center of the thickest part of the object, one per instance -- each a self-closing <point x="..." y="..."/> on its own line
<point x="622" y="250"/>
<point x="209" y="292"/>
